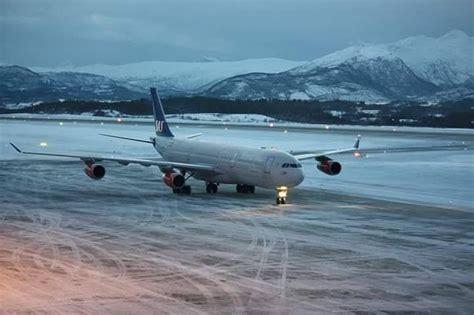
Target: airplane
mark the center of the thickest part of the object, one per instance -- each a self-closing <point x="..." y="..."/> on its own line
<point x="220" y="163"/>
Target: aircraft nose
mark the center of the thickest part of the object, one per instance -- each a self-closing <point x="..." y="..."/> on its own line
<point x="299" y="177"/>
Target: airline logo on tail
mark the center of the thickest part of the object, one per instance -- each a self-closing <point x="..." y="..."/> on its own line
<point x="159" y="125"/>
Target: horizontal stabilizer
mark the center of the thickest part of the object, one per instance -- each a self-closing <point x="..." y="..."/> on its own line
<point x="194" y="135"/>
<point x="126" y="138"/>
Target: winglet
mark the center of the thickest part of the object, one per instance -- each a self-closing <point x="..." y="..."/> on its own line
<point x="16" y="148"/>
<point x="357" y="143"/>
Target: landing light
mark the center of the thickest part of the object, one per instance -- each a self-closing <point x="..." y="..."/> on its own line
<point x="271" y="125"/>
<point x="286" y="131"/>
<point x="119" y="119"/>
<point x="356" y="154"/>
<point x="327" y="127"/>
<point x="282" y="191"/>
<point x="44" y="144"/>
<point x="61" y="123"/>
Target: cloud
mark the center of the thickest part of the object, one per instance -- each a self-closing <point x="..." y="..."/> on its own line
<point x="144" y="31"/>
<point x="113" y="31"/>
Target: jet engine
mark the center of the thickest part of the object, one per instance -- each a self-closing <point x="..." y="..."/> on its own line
<point x="329" y="167"/>
<point x="174" y="180"/>
<point x="94" y="171"/>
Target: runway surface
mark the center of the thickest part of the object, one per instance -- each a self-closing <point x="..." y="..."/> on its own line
<point x="125" y="244"/>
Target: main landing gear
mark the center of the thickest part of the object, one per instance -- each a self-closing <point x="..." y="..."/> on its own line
<point x="211" y="188"/>
<point x="245" y="189"/>
<point x="185" y="190"/>
<point x="281" y="195"/>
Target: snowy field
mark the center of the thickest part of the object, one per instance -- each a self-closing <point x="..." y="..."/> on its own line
<point x="392" y="233"/>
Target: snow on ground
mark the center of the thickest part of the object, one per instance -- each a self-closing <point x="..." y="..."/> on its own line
<point x="215" y="117"/>
<point x="241" y="120"/>
<point x="126" y="244"/>
<point x="20" y="105"/>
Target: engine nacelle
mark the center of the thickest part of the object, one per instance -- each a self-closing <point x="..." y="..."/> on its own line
<point x="94" y="171"/>
<point x="174" y="180"/>
<point x="329" y="167"/>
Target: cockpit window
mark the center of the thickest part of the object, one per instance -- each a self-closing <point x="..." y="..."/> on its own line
<point x="292" y="165"/>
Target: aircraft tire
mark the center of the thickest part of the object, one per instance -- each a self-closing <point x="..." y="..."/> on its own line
<point x="186" y="190"/>
<point x="211" y="188"/>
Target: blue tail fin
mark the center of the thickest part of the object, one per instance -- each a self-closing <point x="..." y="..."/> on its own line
<point x="161" y="126"/>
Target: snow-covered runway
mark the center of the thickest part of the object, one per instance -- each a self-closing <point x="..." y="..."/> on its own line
<point x="126" y="244"/>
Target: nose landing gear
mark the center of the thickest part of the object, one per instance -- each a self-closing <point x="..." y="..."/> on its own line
<point x="281" y="195"/>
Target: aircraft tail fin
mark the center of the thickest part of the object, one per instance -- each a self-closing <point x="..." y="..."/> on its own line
<point x="161" y="126"/>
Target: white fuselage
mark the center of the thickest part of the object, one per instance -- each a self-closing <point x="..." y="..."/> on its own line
<point x="234" y="164"/>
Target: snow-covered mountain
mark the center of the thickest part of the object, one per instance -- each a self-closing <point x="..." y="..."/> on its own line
<point x="415" y="68"/>
<point x="20" y="84"/>
<point x="179" y="77"/>
<point x="372" y="80"/>
<point x="419" y="67"/>
<point x="444" y="61"/>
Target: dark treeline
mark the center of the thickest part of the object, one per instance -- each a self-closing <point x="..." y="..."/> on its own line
<point x="457" y="114"/>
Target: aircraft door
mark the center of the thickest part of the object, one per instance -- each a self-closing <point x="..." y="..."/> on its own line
<point x="269" y="164"/>
<point x="235" y="158"/>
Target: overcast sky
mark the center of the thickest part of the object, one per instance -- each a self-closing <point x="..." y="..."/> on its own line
<point x="60" y="32"/>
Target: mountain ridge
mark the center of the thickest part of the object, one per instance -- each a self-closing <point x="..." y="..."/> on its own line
<point x="415" y="68"/>
<point x="419" y="68"/>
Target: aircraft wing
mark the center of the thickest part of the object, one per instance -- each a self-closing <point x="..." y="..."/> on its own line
<point x="125" y="161"/>
<point x="308" y="154"/>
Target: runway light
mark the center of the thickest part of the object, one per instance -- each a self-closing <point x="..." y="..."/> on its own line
<point x="101" y="123"/>
<point x="286" y="131"/>
<point x="44" y="144"/>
